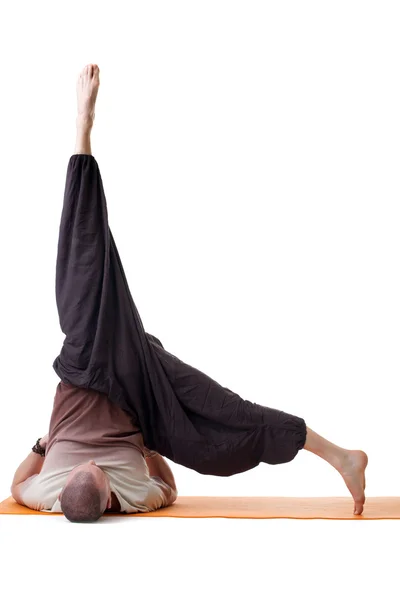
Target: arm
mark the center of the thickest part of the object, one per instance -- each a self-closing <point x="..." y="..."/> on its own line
<point x="158" y="467"/>
<point x="32" y="465"/>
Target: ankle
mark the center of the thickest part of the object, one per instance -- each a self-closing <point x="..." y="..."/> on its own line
<point x="84" y="124"/>
<point x="339" y="459"/>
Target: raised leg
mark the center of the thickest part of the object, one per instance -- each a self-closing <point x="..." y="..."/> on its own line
<point x="83" y="246"/>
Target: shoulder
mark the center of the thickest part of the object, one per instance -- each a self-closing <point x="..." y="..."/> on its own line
<point x="35" y="493"/>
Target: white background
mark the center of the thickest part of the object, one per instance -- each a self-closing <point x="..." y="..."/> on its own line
<point x="249" y="153"/>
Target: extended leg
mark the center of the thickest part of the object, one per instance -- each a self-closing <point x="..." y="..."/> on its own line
<point x="84" y="239"/>
<point x="105" y="346"/>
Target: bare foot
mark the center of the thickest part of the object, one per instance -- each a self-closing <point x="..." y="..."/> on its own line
<point x="352" y="470"/>
<point x="86" y="89"/>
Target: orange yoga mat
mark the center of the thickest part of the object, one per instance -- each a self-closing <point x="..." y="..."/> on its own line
<point x="253" y="507"/>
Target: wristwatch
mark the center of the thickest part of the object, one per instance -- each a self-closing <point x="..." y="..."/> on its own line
<point x="38" y="448"/>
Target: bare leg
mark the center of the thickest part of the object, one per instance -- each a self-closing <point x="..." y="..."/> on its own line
<point x="86" y="89"/>
<point x="351" y="464"/>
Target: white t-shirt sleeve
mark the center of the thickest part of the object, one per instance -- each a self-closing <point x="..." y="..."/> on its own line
<point x="160" y="494"/>
<point x="30" y="493"/>
<point x="38" y="493"/>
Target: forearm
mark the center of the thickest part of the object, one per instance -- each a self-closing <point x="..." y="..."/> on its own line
<point x="159" y="467"/>
<point x="32" y="465"/>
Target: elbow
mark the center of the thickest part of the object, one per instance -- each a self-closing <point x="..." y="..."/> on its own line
<point x="16" y="496"/>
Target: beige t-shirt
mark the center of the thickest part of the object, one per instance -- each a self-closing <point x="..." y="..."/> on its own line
<point x="85" y="426"/>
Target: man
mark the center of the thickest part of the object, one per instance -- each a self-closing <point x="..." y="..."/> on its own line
<point x="121" y="392"/>
<point x="92" y="462"/>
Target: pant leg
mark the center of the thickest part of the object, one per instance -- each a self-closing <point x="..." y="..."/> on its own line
<point x="236" y="434"/>
<point x="183" y="414"/>
<point x="102" y="330"/>
<point x="81" y="269"/>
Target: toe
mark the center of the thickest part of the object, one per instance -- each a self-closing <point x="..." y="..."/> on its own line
<point x="359" y="505"/>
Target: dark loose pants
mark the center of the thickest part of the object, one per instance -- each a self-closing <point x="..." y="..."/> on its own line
<point x="183" y="414"/>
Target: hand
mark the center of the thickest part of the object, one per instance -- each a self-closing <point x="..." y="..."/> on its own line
<point x="44" y="440"/>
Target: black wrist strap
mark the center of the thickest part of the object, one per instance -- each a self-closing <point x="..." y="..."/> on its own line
<point x="38" y="448"/>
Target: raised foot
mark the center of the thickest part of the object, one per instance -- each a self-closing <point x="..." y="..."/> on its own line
<point x="86" y="88"/>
